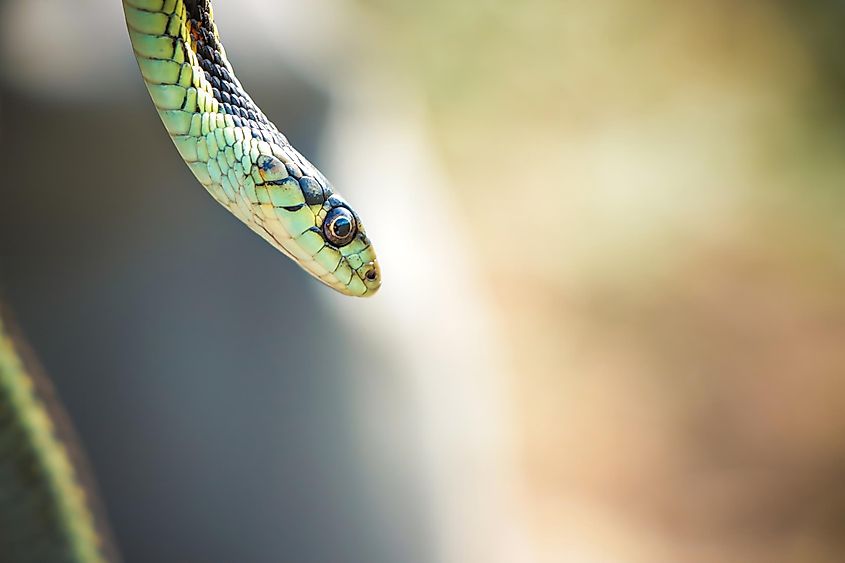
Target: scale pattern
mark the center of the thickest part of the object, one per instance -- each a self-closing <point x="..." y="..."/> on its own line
<point x="231" y="147"/>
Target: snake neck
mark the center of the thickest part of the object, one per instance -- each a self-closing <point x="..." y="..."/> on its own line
<point x="206" y="46"/>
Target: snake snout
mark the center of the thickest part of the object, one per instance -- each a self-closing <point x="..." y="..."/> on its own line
<point x="372" y="277"/>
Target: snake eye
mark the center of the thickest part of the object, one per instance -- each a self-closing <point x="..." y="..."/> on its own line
<point x="340" y="226"/>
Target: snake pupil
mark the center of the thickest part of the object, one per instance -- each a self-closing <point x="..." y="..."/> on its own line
<point x="339" y="226"/>
<point x="342" y="227"/>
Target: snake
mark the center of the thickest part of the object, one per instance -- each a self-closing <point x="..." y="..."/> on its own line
<point x="48" y="508"/>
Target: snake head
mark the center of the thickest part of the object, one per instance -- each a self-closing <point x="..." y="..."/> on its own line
<point x="313" y="225"/>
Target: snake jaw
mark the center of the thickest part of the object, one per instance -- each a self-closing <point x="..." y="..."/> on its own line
<point x="303" y="232"/>
<point x="358" y="273"/>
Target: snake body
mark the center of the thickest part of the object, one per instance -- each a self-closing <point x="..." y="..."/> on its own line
<point x="238" y="154"/>
<point x="249" y="167"/>
<point x="45" y="512"/>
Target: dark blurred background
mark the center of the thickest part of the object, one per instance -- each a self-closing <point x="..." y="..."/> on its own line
<point x="612" y="320"/>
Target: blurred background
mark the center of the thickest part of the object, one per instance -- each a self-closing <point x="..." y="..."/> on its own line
<point x="612" y="320"/>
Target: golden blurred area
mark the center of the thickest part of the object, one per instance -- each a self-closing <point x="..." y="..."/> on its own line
<point x="653" y="190"/>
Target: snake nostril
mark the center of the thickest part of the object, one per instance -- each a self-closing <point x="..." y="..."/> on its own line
<point x="371" y="275"/>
